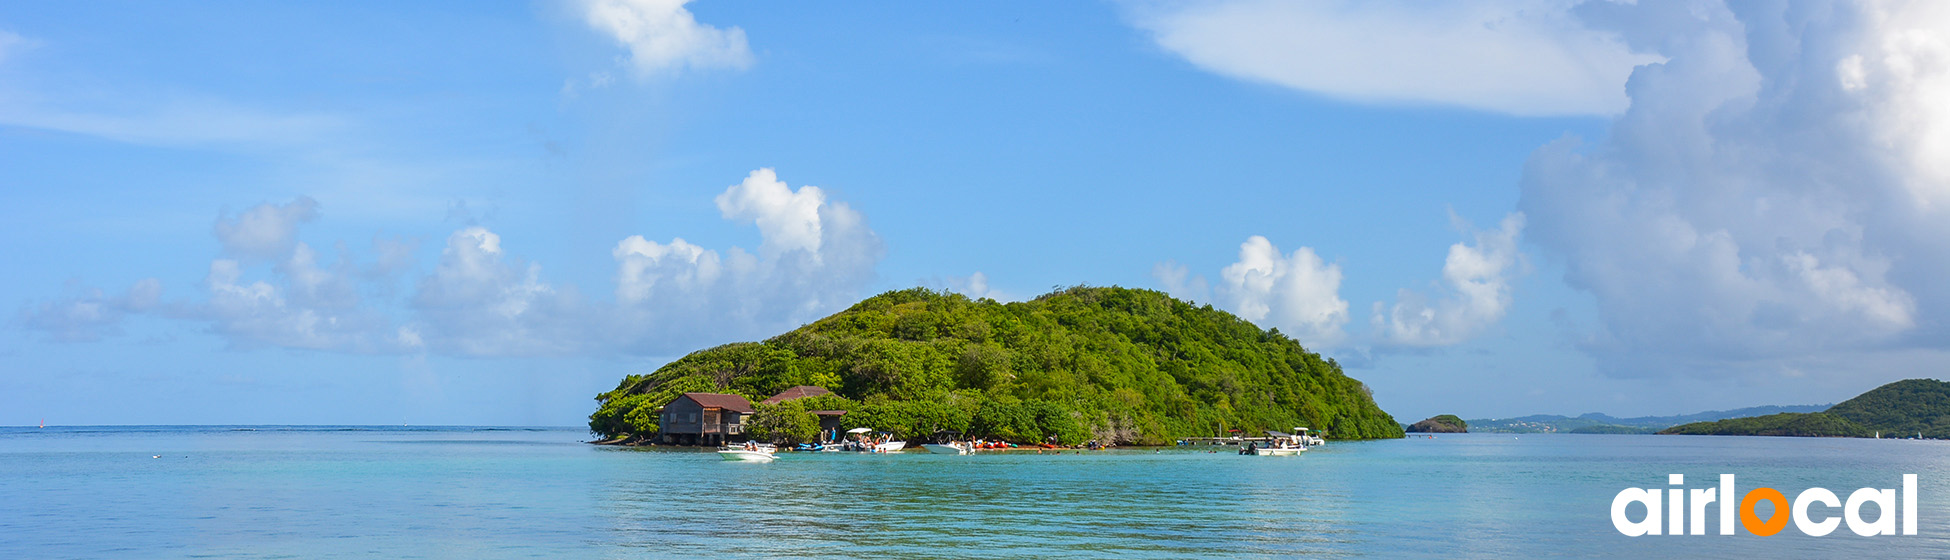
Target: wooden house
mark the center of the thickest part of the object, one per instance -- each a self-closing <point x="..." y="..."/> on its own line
<point x="703" y="419"/>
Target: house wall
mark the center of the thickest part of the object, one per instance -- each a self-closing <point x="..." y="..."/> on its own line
<point x="682" y="416"/>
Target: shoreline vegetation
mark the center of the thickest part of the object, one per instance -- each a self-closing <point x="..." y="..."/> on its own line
<point x="1106" y="364"/>
<point x="1903" y="409"/>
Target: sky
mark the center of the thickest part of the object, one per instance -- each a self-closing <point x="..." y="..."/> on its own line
<point x="490" y="212"/>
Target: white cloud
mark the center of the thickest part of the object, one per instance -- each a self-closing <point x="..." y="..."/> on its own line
<point x="787" y="220"/>
<point x="662" y="36"/>
<point x="1475" y="287"/>
<point x="1776" y="193"/>
<point x="480" y="302"/>
<point x="1297" y="293"/>
<point x="815" y="257"/>
<point x="1529" y="57"/>
<point x="265" y="231"/>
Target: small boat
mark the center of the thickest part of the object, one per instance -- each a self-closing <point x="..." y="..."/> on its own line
<point x="950" y="448"/>
<point x="1281" y="444"/>
<point x="754" y="452"/>
<point x="874" y="442"/>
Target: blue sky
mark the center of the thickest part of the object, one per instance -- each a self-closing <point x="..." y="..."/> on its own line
<point x="487" y="213"/>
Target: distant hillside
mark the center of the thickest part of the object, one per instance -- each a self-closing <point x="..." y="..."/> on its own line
<point x="1902" y="409"/>
<point x="1111" y="364"/>
<point x="1596" y="423"/>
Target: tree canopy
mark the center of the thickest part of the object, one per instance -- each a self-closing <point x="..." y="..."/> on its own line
<point x="1899" y="409"/>
<point x="1111" y="364"/>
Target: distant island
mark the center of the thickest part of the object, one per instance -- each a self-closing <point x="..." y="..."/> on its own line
<point x="1596" y="423"/>
<point x="1114" y="365"/>
<point x="1440" y="424"/>
<point x="1908" y="408"/>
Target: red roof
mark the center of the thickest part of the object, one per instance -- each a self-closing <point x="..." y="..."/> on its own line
<point x="799" y="392"/>
<point x="719" y="400"/>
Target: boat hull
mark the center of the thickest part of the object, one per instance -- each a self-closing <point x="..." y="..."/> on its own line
<point x="743" y="455"/>
<point x="1273" y="451"/>
<point x="944" y="449"/>
<point x="889" y="447"/>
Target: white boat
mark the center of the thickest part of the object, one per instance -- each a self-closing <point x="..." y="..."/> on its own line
<point x="952" y="448"/>
<point x="758" y="453"/>
<point x="1280" y="444"/>
<point x="889" y="446"/>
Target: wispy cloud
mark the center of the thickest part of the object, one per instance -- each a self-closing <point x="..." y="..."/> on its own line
<point x="1522" y="58"/>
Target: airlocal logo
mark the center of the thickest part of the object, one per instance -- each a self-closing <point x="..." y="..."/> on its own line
<point x="1677" y="512"/>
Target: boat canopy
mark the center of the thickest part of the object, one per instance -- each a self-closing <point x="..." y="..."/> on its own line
<point x="859" y="430"/>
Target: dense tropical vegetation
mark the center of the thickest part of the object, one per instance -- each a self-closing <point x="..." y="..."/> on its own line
<point x="1901" y="409"/>
<point x="1111" y="364"/>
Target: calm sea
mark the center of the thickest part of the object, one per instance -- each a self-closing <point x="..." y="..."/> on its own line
<point x="371" y="492"/>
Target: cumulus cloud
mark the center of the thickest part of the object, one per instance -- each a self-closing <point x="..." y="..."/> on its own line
<point x="662" y="36"/>
<point x="1524" y="58"/>
<point x="480" y="302"/>
<point x="1776" y="192"/>
<point x="1475" y="293"/>
<point x="815" y="255"/>
<point x="1298" y="293"/>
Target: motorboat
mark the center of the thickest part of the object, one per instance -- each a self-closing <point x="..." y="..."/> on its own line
<point x="754" y="452"/>
<point x="1279" y="444"/>
<point x="950" y="448"/>
<point x="874" y="442"/>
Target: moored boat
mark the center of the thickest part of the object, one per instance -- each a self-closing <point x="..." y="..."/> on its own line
<point x="754" y="452"/>
<point x="950" y="448"/>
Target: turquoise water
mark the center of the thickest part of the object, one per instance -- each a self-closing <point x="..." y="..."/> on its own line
<point x="362" y="492"/>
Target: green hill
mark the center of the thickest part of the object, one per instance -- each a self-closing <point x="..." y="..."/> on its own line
<point x="1901" y="409"/>
<point x="1441" y="424"/>
<point x="1111" y="364"/>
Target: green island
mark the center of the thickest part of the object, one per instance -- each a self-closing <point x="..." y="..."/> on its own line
<point x="1440" y="424"/>
<point x="1908" y="408"/>
<point x="1109" y="364"/>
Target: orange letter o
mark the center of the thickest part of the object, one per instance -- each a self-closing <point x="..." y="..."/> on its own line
<point x="1774" y="523"/>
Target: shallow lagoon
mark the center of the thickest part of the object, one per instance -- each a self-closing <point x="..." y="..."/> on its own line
<point x="324" y="492"/>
